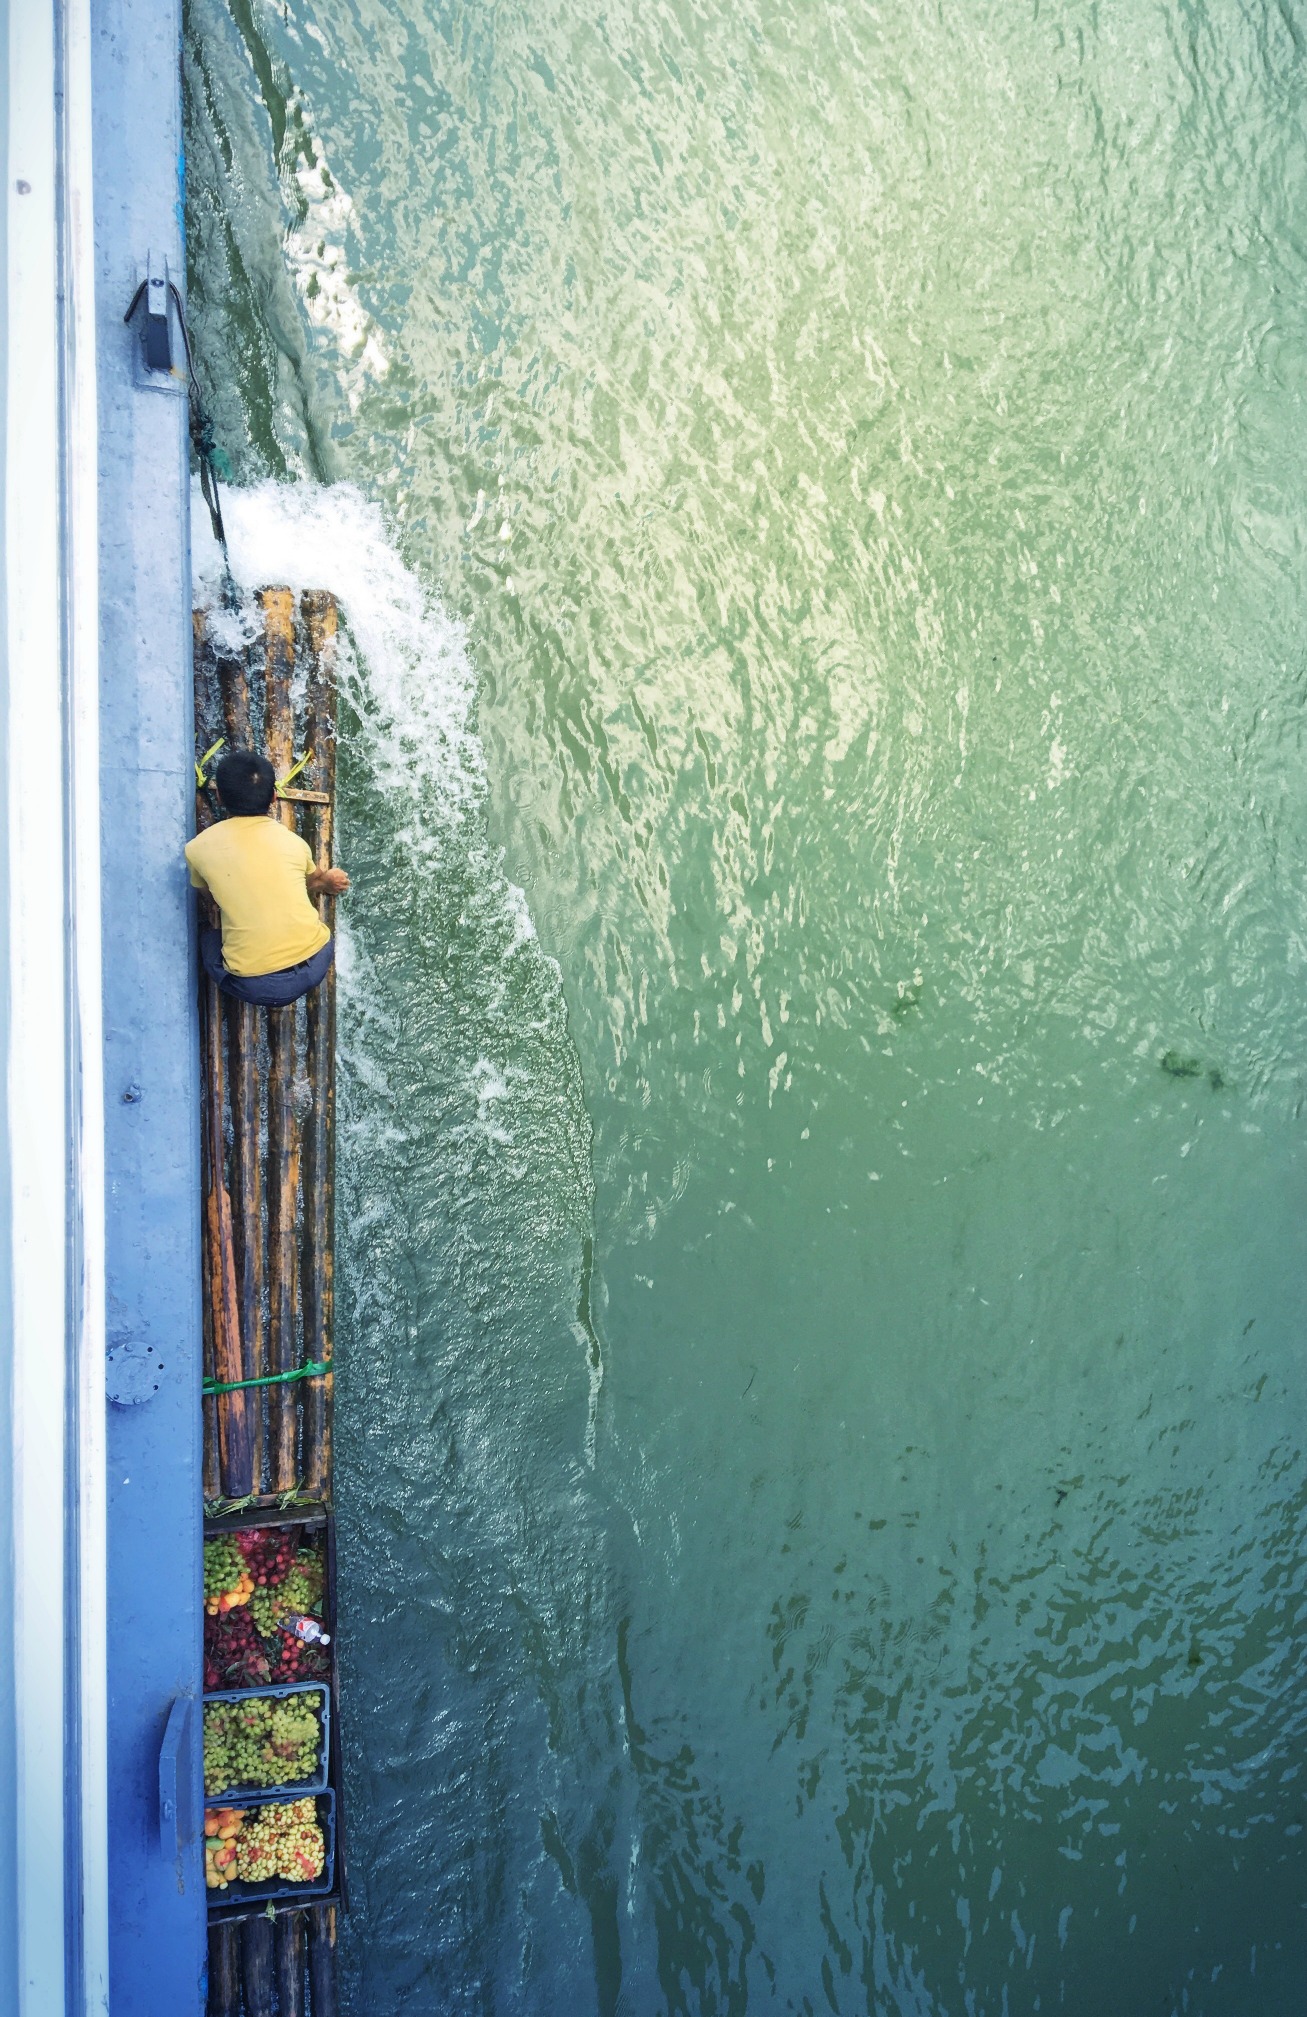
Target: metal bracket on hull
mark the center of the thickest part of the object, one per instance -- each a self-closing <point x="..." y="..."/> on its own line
<point x="153" y="310"/>
<point x="176" y="1816"/>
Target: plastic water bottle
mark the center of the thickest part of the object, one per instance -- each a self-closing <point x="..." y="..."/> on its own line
<point x="307" y="1630"/>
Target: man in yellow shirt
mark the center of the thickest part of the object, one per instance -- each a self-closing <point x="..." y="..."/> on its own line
<point x="273" y="946"/>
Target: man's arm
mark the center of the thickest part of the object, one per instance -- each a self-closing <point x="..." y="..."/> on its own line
<point x="197" y="880"/>
<point x="327" y="882"/>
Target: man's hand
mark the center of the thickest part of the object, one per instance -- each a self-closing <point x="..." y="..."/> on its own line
<point x="327" y="882"/>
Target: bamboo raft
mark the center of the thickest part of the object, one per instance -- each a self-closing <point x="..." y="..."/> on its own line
<point x="267" y="1102"/>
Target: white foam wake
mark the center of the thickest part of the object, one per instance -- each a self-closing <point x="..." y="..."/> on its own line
<point x="405" y="671"/>
<point x="415" y="686"/>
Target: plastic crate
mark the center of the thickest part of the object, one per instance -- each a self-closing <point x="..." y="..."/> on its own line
<point x="298" y="1789"/>
<point x="240" y="1897"/>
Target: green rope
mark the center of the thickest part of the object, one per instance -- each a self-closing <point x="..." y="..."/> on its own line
<point x="313" y="1371"/>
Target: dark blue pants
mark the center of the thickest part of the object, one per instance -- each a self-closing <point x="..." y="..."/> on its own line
<point x="269" y="990"/>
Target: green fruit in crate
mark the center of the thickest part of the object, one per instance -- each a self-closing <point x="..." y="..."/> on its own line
<point x="224" y="1566"/>
<point x="227" y="1581"/>
<point x="281" y="1841"/>
<point x="261" y="1742"/>
<point x="299" y="1592"/>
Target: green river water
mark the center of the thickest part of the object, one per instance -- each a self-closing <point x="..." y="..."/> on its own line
<point x="817" y="495"/>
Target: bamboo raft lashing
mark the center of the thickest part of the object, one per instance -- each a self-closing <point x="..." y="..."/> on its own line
<point x="268" y="1096"/>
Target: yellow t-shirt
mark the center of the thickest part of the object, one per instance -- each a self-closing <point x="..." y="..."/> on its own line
<point x="255" y="871"/>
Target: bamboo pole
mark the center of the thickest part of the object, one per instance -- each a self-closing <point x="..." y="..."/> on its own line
<point x="278" y="606"/>
<point x="234" y="685"/>
<point x="283" y="1256"/>
<point x="317" y="1272"/>
<point x="224" y="1999"/>
<point x="322" y="1960"/>
<point x="247" y="1186"/>
<point x="211" y="1467"/>
<point x="242" y="1021"/>
<point x="235" y="1438"/>
<point x="258" y="1971"/>
<point x="234" y="1343"/>
<point x="208" y="683"/>
<point x="212" y="1484"/>
<point x="291" y="1958"/>
<point x="283" y="1133"/>
<point x="212" y="1475"/>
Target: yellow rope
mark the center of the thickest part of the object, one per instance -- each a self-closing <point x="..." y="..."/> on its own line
<point x="200" y="779"/>
<point x="294" y="771"/>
